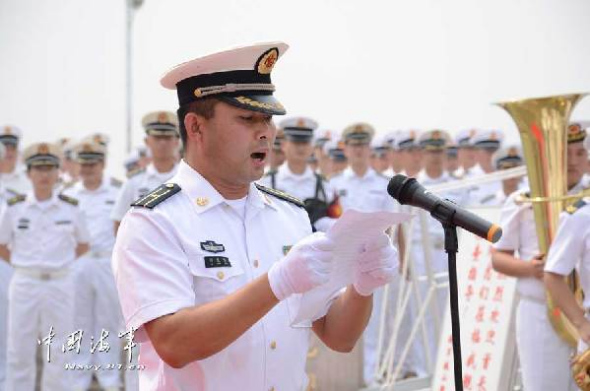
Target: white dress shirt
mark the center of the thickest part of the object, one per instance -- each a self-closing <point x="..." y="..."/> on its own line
<point x="43" y="235"/>
<point x="161" y="262"/>
<point x="97" y="205"/>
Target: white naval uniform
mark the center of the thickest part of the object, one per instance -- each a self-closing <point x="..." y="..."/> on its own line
<point x="544" y="356"/>
<point x="369" y="194"/>
<point x="96" y="301"/>
<point x="438" y="266"/>
<point x="137" y="186"/>
<point x="301" y="186"/>
<point x="571" y="249"/>
<point x="42" y="237"/>
<point x="160" y="263"/>
<point x="16" y="180"/>
<point x="6" y="271"/>
<point x="496" y="199"/>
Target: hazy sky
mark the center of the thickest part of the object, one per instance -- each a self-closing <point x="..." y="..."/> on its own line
<point x="395" y="64"/>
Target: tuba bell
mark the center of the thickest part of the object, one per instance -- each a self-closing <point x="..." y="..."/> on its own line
<point x="542" y="124"/>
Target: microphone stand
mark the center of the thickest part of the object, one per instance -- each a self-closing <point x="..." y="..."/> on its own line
<point x="451" y="248"/>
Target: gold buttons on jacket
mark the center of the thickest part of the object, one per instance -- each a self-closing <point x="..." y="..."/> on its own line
<point x="220" y="275"/>
<point x="273" y="345"/>
<point x="202" y="201"/>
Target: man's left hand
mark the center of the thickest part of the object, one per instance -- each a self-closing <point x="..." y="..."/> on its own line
<point x="376" y="266"/>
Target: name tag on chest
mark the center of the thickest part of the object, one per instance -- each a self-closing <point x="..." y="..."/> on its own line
<point x="217" y="262"/>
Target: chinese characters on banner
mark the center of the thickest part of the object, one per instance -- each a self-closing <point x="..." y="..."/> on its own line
<point x="486" y="303"/>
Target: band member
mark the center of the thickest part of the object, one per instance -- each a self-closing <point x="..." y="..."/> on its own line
<point x="12" y="173"/>
<point x="161" y="129"/>
<point x="296" y="178"/>
<point x="486" y="143"/>
<point x="517" y="254"/>
<point x="410" y="153"/>
<point x="504" y="159"/>
<point x="41" y="235"/>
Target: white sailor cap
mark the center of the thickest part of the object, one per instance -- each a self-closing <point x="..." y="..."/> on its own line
<point x="507" y="157"/>
<point x="434" y="140"/>
<point x="298" y="128"/>
<point x="239" y="77"/>
<point x="358" y="133"/>
<point x="577" y="130"/>
<point x="160" y="123"/>
<point x="10" y="135"/>
<point x="488" y="139"/>
<point x="407" y="139"/>
<point x="380" y="143"/>
<point x="98" y="138"/>
<point x="464" y="138"/>
<point x="321" y="136"/>
<point x="89" y="151"/>
<point x="42" y="154"/>
<point x="391" y="136"/>
<point x="335" y="149"/>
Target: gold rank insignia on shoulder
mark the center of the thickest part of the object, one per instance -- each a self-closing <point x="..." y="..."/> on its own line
<point x="281" y="195"/>
<point x="16" y="199"/>
<point x="575" y="207"/>
<point x="157" y="196"/>
<point x="69" y="200"/>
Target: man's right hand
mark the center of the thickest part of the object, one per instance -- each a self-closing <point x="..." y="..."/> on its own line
<point x="307" y="265"/>
<point x="538" y="266"/>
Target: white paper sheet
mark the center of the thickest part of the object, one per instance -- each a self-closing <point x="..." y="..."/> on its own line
<point x="350" y="233"/>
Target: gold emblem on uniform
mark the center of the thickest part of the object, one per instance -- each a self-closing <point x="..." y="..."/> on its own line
<point x="574" y="128"/>
<point x="198" y="93"/>
<point x="162" y="117"/>
<point x="170" y="185"/>
<point x="471" y="133"/>
<point x="220" y="275"/>
<point x="512" y="152"/>
<point x="86" y="147"/>
<point x="267" y="61"/>
<point x="98" y="139"/>
<point x="412" y="134"/>
<point x="43" y="149"/>
<point x="301" y="123"/>
<point x="436" y="135"/>
<point x="202" y="201"/>
<point x="493" y="136"/>
<point x="7" y="130"/>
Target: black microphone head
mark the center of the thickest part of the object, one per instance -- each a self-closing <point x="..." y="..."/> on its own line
<point x="398" y="188"/>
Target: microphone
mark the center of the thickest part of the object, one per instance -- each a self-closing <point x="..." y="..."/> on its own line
<point x="409" y="192"/>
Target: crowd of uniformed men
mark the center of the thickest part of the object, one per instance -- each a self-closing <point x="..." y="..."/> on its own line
<point x="60" y="213"/>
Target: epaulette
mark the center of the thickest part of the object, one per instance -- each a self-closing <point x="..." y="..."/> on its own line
<point x="68" y="199"/>
<point x="487" y="198"/>
<point x="16" y="199"/>
<point x="116" y="183"/>
<point x="576" y="206"/>
<point x="281" y="195"/>
<point x="157" y="196"/>
<point x="13" y="192"/>
<point x="135" y="172"/>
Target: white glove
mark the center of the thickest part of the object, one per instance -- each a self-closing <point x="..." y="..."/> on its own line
<point x="376" y="266"/>
<point x="307" y="265"/>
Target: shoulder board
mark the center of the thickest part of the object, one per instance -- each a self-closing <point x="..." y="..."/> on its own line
<point x="116" y="183"/>
<point x="16" y="199"/>
<point x="68" y="199"/>
<point x="133" y="173"/>
<point x="576" y="206"/>
<point x="281" y="195"/>
<point x="487" y="198"/>
<point x="13" y="192"/>
<point x="157" y="196"/>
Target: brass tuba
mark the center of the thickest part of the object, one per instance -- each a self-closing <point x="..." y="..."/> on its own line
<point x="542" y="124"/>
